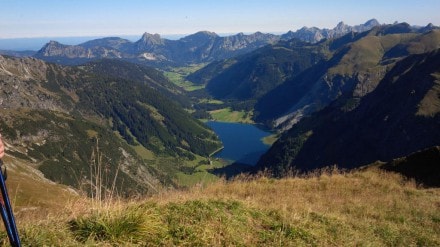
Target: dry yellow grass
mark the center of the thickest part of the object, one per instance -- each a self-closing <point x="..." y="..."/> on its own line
<point x="362" y="208"/>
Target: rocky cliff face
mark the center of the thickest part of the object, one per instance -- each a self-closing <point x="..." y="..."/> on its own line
<point x="17" y="81"/>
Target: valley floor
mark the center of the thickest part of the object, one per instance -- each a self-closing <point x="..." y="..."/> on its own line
<point x="360" y="208"/>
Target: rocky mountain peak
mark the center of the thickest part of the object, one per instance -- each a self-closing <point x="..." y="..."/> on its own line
<point x="428" y="28"/>
<point x="200" y="36"/>
<point x="207" y="33"/>
<point x="51" y="48"/>
<point x="342" y="28"/>
<point x="149" y="38"/>
<point x="200" y="40"/>
<point x="372" y="23"/>
<point x="148" y="42"/>
<point x="258" y="35"/>
<point x="53" y="44"/>
<point x="341" y="24"/>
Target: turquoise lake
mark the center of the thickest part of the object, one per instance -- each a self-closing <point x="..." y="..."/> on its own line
<point x="242" y="142"/>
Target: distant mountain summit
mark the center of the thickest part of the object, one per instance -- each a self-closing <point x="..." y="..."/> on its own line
<point x="53" y="48"/>
<point x="315" y="34"/>
<point x="74" y="54"/>
<point x="148" y="42"/>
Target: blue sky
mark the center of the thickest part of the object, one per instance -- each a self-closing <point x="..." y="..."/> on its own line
<point x="63" y="18"/>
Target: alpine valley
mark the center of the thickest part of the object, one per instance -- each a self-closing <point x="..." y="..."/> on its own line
<point x="348" y="96"/>
<point x="346" y="101"/>
<point x="348" y="108"/>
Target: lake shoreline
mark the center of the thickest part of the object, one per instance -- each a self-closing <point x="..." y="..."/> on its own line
<point x="242" y="143"/>
<point x="216" y="151"/>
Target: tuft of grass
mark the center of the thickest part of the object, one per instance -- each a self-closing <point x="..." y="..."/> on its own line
<point x="41" y="234"/>
<point x="130" y="226"/>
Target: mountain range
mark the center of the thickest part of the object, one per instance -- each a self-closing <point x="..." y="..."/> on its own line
<point x="152" y="49"/>
<point x="201" y="47"/>
<point x="314" y="34"/>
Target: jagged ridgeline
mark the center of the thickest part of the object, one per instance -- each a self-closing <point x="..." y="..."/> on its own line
<point x="53" y="116"/>
<point x="200" y="47"/>
<point x="152" y="49"/>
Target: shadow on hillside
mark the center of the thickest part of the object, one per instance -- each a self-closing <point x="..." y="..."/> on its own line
<point x="423" y="166"/>
<point x="232" y="170"/>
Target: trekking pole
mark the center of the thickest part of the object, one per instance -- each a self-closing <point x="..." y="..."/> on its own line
<point x="6" y="212"/>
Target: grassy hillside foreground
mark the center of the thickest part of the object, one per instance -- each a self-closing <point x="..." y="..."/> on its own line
<point x="362" y="208"/>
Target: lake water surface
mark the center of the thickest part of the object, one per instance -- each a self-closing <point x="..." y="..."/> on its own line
<point x="242" y="142"/>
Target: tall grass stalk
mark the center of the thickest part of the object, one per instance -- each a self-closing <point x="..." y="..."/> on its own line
<point x="99" y="178"/>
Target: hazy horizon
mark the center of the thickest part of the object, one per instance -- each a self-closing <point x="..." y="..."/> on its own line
<point x="28" y="24"/>
<point x="62" y="18"/>
<point x="36" y="43"/>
